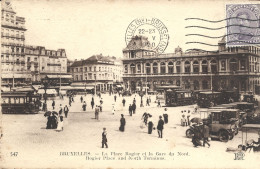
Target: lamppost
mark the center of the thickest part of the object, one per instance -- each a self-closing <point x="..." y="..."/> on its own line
<point x="45" y="84"/>
<point x="141" y="95"/>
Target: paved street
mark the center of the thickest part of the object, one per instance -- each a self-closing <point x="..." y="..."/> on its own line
<point x="26" y="134"/>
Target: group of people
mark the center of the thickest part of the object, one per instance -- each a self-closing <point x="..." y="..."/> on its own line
<point x="55" y="121"/>
<point x="185" y="118"/>
<point x="201" y="135"/>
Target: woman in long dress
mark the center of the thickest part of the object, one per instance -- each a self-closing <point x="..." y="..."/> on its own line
<point x="60" y="123"/>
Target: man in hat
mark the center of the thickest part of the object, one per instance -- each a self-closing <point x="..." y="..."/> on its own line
<point x="130" y="109"/>
<point x="104" y="138"/>
<point x="66" y="111"/>
<point x="160" y="127"/>
<point x="165" y="116"/>
<point x="122" y="123"/>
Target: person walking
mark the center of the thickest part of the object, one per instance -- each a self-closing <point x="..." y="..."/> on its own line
<point x="122" y="123"/>
<point x="61" y="109"/>
<point x="97" y="112"/>
<point x="84" y="106"/>
<point x="123" y="101"/>
<point x="60" y="123"/>
<point x="101" y="103"/>
<point x="81" y="99"/>
<point x="115" y="98"/>
<point x="66" y="111"/>
<point x="205" y="135"/>
<point x="147" y="102"/>
<point x="188" y="117"/>
<point x="53" y="104"/>
<point x="134" y="101"/>
<point x="145" y="117"/>
<point x="130" y="109"/>
<point x="160" y="127"/>
<point x="133" y="108"/>
<point x="150" y="124"/>
<point x="104" y="138"/>
<point x="70" y="102"/>
<point x="165" y="116"/>
<point x="159" y="103"/>
<point x="92" y="103"/>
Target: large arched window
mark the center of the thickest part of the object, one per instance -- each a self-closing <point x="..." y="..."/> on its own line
<point x="233" y="65"/>
<point x="187" y="67"/>
<point x="155" y="68"/>
<point x="205" y="84"/>
<point x="162" y="65"/>
<point x="213" y="65"/>
<point x="196" y="66"/>
<point x="196" y="85"/>
<point x="132" y="67"/>
<point x="170" y="67"/>
<point x="204" y="66"/>
<point x="148" y="68"/>
<point x="178" y="67"/>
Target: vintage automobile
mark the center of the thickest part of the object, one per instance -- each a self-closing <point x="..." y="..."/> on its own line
<point x="223" y="124"/>
<point x="178" y="98"/>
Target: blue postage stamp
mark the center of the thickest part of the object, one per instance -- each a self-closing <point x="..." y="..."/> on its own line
<point x="243" y="24"/>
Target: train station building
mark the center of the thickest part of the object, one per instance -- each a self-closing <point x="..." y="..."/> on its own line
<point x="228" y="68"/>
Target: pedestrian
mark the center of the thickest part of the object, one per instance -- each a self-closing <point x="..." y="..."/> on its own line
<point x="123" y="101"/>
<point x="70" y="102"/>
<point x="115" y="98"/>
<point x="81" y="99"/>
<point x="133" y="108"/>
<point x="150" y="124"/>
<point x="159" y="103"/>
<point x="188" y="117"/>
<point x="145" y="117"/>
<point x="160" y="127"/>
<point x="97" y="112"/>
<point x="54" y="121"/>
<point x="60" y="123"/>
<point x="84" y="106"/>
<point x="104" y="138"/>
<point x="122" y="123"/>
<point x="165" y="116"/>
<point x="183" y="120"/>
<point x="101" y="104"/>
<point x="66" y="111"/>
<point x="92" y="103"/>
<point x="205" y="135"/>
<point x="130" y="109"/>
<point x="53" y="104"/>
<point x="147" y="102"/>
<point x="134" y="101"/>
<point x="49" y="122"/>
<point x="60" y="110"/>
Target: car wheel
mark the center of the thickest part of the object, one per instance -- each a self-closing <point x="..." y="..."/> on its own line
<point x="223" y="136"/>
<point x="189" y="133"/>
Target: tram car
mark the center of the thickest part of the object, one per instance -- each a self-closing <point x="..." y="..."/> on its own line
<point x="178" y="98"/>
<point x="20" y="103"/>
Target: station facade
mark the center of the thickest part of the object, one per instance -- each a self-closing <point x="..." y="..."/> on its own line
<point x="228" y="68"/>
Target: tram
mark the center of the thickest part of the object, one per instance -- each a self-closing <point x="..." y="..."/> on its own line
<point x="20" y="103"/>
<point x="178" y="98"/>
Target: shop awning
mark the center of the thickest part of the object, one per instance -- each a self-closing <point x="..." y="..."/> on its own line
<point x="59" y="76"/>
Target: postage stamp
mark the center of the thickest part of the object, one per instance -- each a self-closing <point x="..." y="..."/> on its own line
<point x="153" y="29"/>
<point x="242" y="24"/>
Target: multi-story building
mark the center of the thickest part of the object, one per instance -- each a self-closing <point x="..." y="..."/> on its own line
<point x="100" y="71"/>
<point x="229" y="68"/>
<point x="42" y="62"/>
<point x="23" y="64"/>
<point x="13" y="30"/>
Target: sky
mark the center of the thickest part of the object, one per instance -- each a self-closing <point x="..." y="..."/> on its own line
<point x="85" y="28"/>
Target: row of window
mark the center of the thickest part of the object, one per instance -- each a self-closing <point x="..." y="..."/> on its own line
<point x="233" y="66"/>
<point x="91" y="76"/>
<point x="86" y="69"/>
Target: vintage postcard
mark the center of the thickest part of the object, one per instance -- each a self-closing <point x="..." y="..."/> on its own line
<point x="130" y="84"/>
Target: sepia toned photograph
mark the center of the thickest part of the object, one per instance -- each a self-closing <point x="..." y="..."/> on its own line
<point x="130" y="84"/>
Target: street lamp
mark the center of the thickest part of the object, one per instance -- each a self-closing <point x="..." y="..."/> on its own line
<point x="45" y="83"/>
<point x="141" y="95"/>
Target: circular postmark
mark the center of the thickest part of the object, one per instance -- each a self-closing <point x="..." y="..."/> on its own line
<point x="153" y="29"/>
